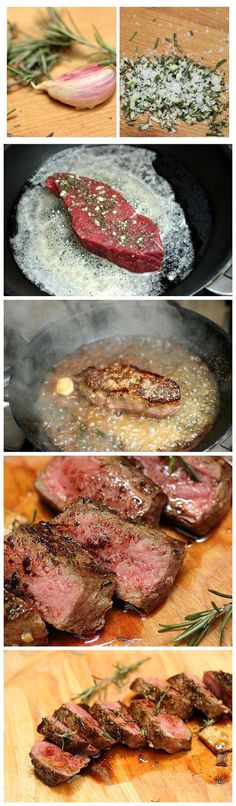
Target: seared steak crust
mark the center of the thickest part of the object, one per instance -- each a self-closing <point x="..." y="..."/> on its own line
<point x="220" y="684"/>
<point x="68" y="588"/>
<point x="144" y="561"/>
<point x="123" y="387"/>
<point x="115" y="719"/>
<point x="161" y="693"/>
<point x="55" y="766"/>
<point x="108" y="481"/>
<point x="163" y="731"/>
<point x="23" y="626"/>
<point x="200" y="697"/>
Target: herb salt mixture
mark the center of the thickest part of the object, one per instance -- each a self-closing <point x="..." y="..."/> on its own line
<point x="170" y="89"/>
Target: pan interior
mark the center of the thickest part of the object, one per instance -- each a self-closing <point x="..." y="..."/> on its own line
<point x="49" y="253"/>
<point x="74" y="422"/>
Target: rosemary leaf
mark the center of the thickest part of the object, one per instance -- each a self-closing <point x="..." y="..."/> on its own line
<point x="101" y="684"/>
<point x="196" y="625"/>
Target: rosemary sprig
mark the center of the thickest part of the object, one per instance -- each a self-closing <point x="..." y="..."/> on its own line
<point x="100" y="684"/>
<point x="196" y="625"/>
<point x="172" y="465"/>
<point x="30" y="58"/>
<point x="161" y="698"/>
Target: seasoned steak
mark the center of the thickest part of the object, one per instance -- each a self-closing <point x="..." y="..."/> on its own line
<point x="220" y="684"/>
<point x="55" y="766"/>
<point x="200" y="697"/>
<point x="60" y="734"/>
<point x="66" y="585"/>
<point x="123" y="387"/>
<point x="23" y="626"/>
<point x="195" y="506"/>
<point x="161" y="693"/>
<point x="110" y="481"/>
<point x="79" y="719"/>
<point x="114" y="718"/>
<point x="107" y="225"/>
<point x="144" y="561"/>
<point x="162" y="731"/>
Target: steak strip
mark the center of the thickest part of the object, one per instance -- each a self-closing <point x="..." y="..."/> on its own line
<point x="65" y="584"/>
<point x="55" y="766"/>
<point x="199" y="696"/>
<point x="161" y="693"/>
<point x="162" y="731"/>
<point x="108" y="481"/>
<point x="144" y="561"/>
<point x="23" y="626"/>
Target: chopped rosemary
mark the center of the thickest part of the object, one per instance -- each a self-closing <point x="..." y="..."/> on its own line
<point x="156" y="43"/>
<point x="64" y="736"/>
<point x="133" y="36"/>
<point x="29" y="59"/>
<point x="172" y="88"/>
<point x="196" y="625"/>
<point x="161" y="698"/>
<point x="100" y="684"/>
<point x="176" y="44"/>
<point x="206" y="723"/>
<point x="222" y="61"/>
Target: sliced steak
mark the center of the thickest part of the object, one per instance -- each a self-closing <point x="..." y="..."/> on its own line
<point x="107" y="225"/>
<point x="23" y="626"/>
<point x="108" y="481"/>
<point x="200" y="697"/>
<point x="60" y="734"/>
<point x="220" y="684"/>
<point x="195" y="506"/>
<point x="145" y="561"/>
<point x="68" y="588"/>
<point x="114" y="718"/>
<point x="55" y="766"/>
<point x="162" y="731"/>
<point x="161" y="692"/>
<point x="123" y="387"/>
<point x="79" y="719"/>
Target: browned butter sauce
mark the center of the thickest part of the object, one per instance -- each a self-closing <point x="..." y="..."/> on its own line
<point x="73" y="423"/>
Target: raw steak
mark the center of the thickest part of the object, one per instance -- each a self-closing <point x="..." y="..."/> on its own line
<point x="144" y="561"/>
<point x="123" y="387"/>
<point x="23" y="626"/>
<point x="108" y="481"/>
<point x="161" y="692"/>
<point x="202" y="699"/>
<point x="107" y="225"/>
<point x="55" y="766"/>
<point x="68" y="588"/>
<point x="195" y="506"/>
<point x="162" y="731"/>
<point x="114" y="718"/>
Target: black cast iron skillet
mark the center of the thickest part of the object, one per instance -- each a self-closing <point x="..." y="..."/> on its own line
<point x="160" y="320"/>
<point x="201" y="177"/>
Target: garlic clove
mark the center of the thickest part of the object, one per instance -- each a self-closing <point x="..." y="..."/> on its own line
<point x="84" y="88"/>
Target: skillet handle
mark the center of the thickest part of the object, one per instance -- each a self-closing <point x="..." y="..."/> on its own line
<point x="222" y="284"/>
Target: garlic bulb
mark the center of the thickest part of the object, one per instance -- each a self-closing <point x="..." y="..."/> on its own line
<point x="83" y="88"/>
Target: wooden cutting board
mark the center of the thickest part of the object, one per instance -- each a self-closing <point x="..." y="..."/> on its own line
<point x="210" y="27"/>
<point x="37" y="682"/>
<point x="36" y="114"/>
<point x="207" y="565"/>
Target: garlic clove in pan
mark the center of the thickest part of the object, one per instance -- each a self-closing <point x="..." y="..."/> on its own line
<point x="65" y="386"/>
<point x="83" y="88"/>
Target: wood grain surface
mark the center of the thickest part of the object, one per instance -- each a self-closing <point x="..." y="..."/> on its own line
<point x="210" y="41"/>
<point x="37" y="682"/>
<point x="36" y="114"/>
<point x="207" y="565"/>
